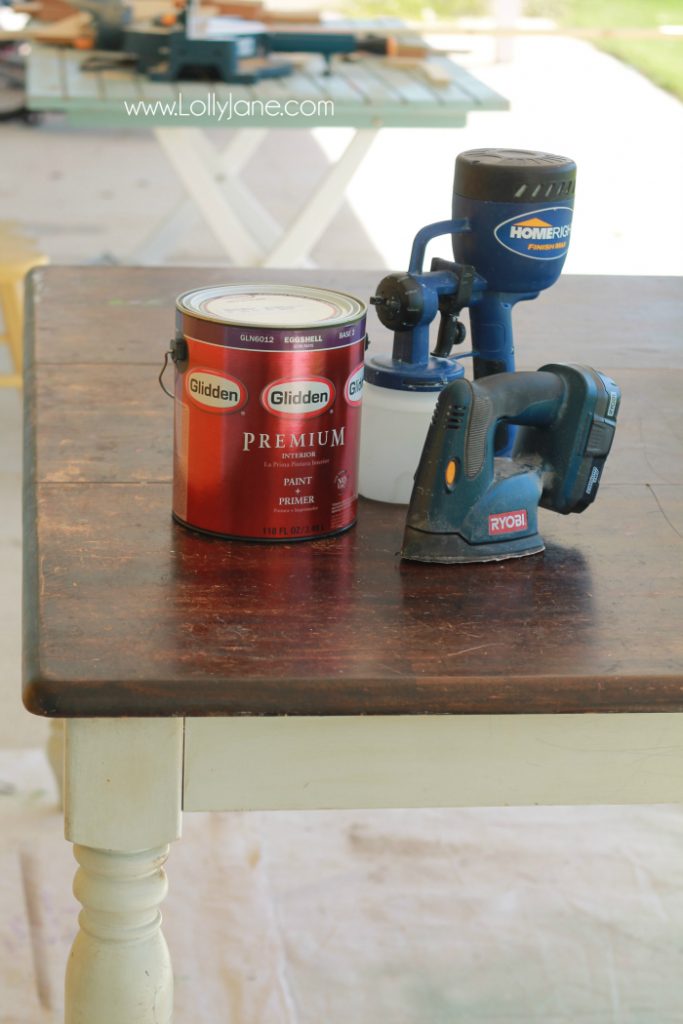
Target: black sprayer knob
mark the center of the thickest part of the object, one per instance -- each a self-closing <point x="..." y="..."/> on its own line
<point x="451" y="332"/>
<point x="399" y="302"/>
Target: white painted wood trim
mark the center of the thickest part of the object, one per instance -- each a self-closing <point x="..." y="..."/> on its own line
<point x="123" y="782"/>
<point x="432" y="761"/>
<point x="55" y="754"/>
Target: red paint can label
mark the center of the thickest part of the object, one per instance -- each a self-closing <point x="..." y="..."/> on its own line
<point x="267" y="411"/>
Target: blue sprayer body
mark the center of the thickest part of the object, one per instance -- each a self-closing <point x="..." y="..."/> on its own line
<point x="510" y="226"/>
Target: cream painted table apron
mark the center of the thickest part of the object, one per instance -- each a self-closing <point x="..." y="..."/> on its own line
<point x="199" y="674"/>
<point x="365" y="94"/>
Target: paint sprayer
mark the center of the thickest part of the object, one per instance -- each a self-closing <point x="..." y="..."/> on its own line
<point x="512" y="212"/>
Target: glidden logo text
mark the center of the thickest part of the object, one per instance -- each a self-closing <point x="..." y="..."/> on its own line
<point x="353" y="391"/>
<point x="216" y="392"/>
<point x="310" y="396"/>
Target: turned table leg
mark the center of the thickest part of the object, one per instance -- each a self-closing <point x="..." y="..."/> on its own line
<point x="119" y="968"/>
<point x="122" y="808"/>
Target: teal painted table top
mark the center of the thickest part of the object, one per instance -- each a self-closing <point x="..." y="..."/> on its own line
<point x="364" y="93"/>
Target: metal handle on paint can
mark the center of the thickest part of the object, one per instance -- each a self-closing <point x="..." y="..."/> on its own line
<point x="161" y="375"/>
<point x="178" y="353"/>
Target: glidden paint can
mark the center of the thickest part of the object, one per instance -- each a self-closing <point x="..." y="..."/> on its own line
<point x="268" y="389"/>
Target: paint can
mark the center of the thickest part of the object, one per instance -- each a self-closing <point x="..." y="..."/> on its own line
<point x="268" y="388"/>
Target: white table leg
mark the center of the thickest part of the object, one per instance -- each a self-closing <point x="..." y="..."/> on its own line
<point x="119" y="969"/>
<point x="309" y="225"/>
<point x="256" y="219"/>
<point x="225" y="164"/>
<point x="122" y="808"/>
<point x="55" y="754"/>
<point x="187" y="159"/>
<point x="243" y="228"/>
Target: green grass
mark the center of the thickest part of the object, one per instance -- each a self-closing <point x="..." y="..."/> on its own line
<point x="660" y="60"/>
<point x="415" y="9"/>
<point x="616" y="13"/>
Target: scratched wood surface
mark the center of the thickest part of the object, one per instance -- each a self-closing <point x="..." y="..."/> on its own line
<point x="130" y="614"/>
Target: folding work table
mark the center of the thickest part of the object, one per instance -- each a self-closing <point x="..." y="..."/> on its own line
<point x="199" y="674"/>
<point x="366" y="95"/>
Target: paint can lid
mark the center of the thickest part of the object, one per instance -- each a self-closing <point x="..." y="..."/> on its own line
<point x="272" y="305"/>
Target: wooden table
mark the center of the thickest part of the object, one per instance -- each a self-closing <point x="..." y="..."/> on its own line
<point x="366" y="95"/>
<point x="197" y="674"/>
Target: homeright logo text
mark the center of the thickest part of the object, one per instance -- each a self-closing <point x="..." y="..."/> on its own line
<point x="536" y="228"/>
<point x="508" y="522"/>
<point x="309" y="397"/>
<point x="540" y="234"/>
<point x="216" y="392"/>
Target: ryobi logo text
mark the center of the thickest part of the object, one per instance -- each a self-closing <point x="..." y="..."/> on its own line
<point x="310" y="396"/>
<point x="214" y="391"/>
<point x="508" y="522"/>
<point x="539" y="235"/>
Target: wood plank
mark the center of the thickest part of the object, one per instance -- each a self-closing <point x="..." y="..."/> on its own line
<point x="336" y="87"/>
<point x="124" y="439"/>
<point x="452" y="92"/>
<point x="124" y="315"/>
<point x="124" y="409"/>
<point x="591" y="625"/>
<point x="151" y="90"/>
<point x="486" y="98"/>
<point x="198" y="93"/>
<point x="364" y="92"/>
<point x="45" y="76"/>
<point x="373" y="89"/>
<point x="272" y="89"/>
<point x="120" y="85"/>
<point x="409" y="84"/>
<point x="83" y="87"/>
<point x="226" y="91"/>
<point x="435" y="761"/>
<point x="304" y="86"/>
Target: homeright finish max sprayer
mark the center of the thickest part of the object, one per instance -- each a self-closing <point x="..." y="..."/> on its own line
<point x="510" y="230"/>
<point x="268" y="386"/>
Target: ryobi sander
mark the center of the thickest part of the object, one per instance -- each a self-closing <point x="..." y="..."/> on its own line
<point x="467" y="504"/>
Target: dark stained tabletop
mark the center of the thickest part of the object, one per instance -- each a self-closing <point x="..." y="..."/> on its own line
<point x="127" y="613"/>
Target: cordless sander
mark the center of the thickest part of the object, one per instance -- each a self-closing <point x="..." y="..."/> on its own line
<point x="467" y="504"/>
